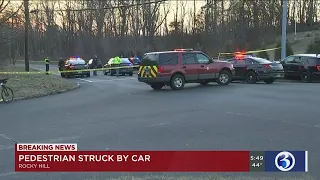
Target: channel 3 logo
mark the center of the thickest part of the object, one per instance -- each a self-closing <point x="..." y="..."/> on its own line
<point x="284" y="161"/>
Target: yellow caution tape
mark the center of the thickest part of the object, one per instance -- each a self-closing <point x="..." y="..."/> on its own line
<point x="82" y="70"/>
<point x="248" y="52"/>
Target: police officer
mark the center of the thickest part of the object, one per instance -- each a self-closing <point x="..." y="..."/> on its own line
<point x="117" y="61"/>
<point x="94" y="64"/>
<point x="47" y="61"/>
<point x="61" y="64"/>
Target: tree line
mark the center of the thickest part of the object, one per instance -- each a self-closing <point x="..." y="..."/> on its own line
<point x="127" y="27"/>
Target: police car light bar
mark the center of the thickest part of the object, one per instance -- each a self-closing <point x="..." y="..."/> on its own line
<point x="184" y="49"/>
<point x="74" y="57"/>
<point x="241" y="55"/>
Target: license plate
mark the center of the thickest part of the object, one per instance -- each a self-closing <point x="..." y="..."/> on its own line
<point x="278" y="75"/>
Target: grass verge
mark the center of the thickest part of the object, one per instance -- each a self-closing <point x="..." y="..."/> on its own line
<point x="27" y="86"/>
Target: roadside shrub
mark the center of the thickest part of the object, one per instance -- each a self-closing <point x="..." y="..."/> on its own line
<point x="263" y="55"/>
<point x="277" y="52"/>
<point x="314" y="47"/>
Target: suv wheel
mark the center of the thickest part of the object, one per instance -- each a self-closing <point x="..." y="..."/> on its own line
<point x="157" y="86"/>
<point x="269" y="81"/>
<point x="306" y="77"/>
<point x="251" y="77"/>
<point x="177" y="82"/>
<point x="224" y="78"/>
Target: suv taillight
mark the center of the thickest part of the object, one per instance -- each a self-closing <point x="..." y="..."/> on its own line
<point x="69" y="67"/>
<point x="160" y="69"/>
<point x="317" y="67"/>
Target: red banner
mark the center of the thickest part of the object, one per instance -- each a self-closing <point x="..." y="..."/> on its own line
<point x="131" y="161"/>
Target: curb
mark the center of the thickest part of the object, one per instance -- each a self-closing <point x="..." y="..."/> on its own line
<point x="47" y="94"/>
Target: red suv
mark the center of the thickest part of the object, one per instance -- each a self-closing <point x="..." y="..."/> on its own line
<point x="175" y="68"/>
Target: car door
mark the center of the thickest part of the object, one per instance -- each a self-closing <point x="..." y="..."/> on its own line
<point x="240" y="67"/>
<point x="296" y="66"/>
<point x="204" y="69"/>
<point x="287" y="65"/>
<point x="190" y="66"/>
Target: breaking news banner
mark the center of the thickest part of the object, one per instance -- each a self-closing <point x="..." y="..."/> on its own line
<point x="67" y="158"/>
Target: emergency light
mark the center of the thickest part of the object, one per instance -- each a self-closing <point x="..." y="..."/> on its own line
<point x="241" y="55"/>
<point x="74" y="57"/>
<point x="184" y="49"/>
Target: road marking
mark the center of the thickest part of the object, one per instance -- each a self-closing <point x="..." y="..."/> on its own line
<point x="160" y="124"/>
<point x="84" y="80"/>
<point x="8" y="174"/>
<point x="6" y="137"/>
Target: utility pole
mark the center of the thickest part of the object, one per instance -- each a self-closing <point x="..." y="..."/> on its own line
<point x="295" y="18"/>
<point x="284" y="29"/>
<point x="26" y="34"/>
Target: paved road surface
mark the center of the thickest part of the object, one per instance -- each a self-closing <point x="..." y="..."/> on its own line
<point x="123" y="114"/>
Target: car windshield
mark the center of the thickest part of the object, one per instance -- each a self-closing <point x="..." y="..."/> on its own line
<point x="125" y="60"/>
<point x="261" y="60"/>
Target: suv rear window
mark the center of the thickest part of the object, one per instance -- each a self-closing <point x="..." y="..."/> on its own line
<point x="159" y="59"/>
<point x="150" y="59"/>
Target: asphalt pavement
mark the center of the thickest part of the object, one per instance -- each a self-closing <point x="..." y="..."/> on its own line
<point x="110" y="113"/>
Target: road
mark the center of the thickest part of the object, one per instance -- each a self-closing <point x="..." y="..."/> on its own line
<point x="110" y="113"/>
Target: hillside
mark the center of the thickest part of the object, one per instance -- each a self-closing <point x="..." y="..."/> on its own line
<point x="298" y="42"/>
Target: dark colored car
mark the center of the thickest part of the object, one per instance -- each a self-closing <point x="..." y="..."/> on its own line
<point x="304" y="66"/>
<point x="75" y="64"/>
<point x="253" y="69"/>
<point x="126" y="64"/>
<point x="135" y="61"/>
<point x="175" y="68"/>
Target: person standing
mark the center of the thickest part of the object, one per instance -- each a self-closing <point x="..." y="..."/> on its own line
<point x="61" y="64"/>
<point x="47" y="62"/>
<point x="117" y="62"/>
<point x="95" y="64"/>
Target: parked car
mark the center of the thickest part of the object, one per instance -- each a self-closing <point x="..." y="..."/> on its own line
<point x="303" y="66"/>
<point x="253" y="69"/>
<point x="135" y="61"/>
<point x="175" y="68"/>
<point x="76" y="64"/>
<point x="126" y="64"/>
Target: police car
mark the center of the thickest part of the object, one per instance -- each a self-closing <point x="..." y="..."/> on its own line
<point x="76" y="64"/>
<point x="253" y="69"/>
<point x="125" y="63"/>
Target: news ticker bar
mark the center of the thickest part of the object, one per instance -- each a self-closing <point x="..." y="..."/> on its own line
<point x="161" y="161"/>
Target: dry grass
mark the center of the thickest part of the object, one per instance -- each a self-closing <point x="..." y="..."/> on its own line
<point x="27" y="86"/>
<point x="299" y="42"/>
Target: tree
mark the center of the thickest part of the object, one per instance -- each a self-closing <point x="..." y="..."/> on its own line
<point x="314" y="47"/>
<point x="277" y="53"/>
